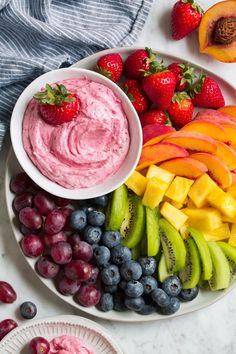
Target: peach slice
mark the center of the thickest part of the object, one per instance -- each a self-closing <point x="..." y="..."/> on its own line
<point x="192" y="141"/>
<point x="216" y="116"/>
<point x="226" y="154"/>
<point x="185" y="167"/>
<point x="230" y="130"/>
<point x="156" y="140"/>
<point x="210" y="128"/>
<point x="217" y="169"/>
<point x="153" y="154"/>
<point x="231" y="110"/>
<point x="152" y="130"/>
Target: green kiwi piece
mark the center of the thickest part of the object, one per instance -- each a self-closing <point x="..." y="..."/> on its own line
<point x="133" y="226"/>
<point x="173" y="246"/>
<point x="220" y="278"/>
<point x="143" y="245"/>
<point x="162" y="272"/>
<point x="191" y="273"/>
<point x="203" y="252"/>
<point x="152" y="231"/>
<point x="136" y="252"/>
<point x="116" y="209"/>
<point x="230" y="253"/>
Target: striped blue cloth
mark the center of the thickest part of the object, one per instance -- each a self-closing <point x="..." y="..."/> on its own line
<point x="41" y="35"/>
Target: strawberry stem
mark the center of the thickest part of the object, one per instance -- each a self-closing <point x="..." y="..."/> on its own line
<point x="54" y="96"/>
<point x="195" y="6"/>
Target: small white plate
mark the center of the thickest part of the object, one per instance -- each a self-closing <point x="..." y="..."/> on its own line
<point x="97" y="338"/>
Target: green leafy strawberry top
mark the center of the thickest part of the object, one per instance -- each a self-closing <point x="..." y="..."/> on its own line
<point x="195" y="6"/>
<point x="54" y="96"/>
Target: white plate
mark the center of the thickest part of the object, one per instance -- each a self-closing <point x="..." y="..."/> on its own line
<point x="97" y="338"/>
<point x="205" y="298"/>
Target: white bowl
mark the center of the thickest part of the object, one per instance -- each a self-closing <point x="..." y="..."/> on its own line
<point x="110" y="183"/>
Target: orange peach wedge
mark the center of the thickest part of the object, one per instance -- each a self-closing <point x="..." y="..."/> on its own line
<point x="230" y="130"/>
<point x="156" y="140"/>
<point x="216" y="116"/>
<point x="185" y="167"/>
<point x="231" y="110"/>
<point x="153" y="154"/>
<point x="209" y="128"/>
<point x="151" y="131"/>
<point x="192" y="141"/>
<point x="217" y="169"/>
<point x="226" y="154"/>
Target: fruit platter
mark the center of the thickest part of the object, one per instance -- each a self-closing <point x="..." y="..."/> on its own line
<point x="163" y="243"/>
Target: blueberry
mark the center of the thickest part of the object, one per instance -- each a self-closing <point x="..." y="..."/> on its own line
<point x="134" y="304"/>
<point x="172" y="285"/>
<point x="173" y="307"/>
<point x="106" y="302"/>
<point x="78" y="219"/>
<point x="110" y="288"/>
<point x="131" y="270"/>
<point x="149" y="283"/>
<point x="160" y="297"/>
<point x="123" y="284"/>
<point x="120" y="254"/>
<point x="28" y="310"/>
<point x="147" y="309"/>
<point x="188" y="294"/>
<point x="148" y="265"/>
<point x="87" y="208"/>
<point x="101" y="201"/>
<point x="96" y="218"/>
<point x="101" y="255"/>
<point x="110" y="275"/>
<point x="92" y="234"/>
<point x="119" y="299"/>
<point x="134" y="288"/>
<point x="110" y="238"/>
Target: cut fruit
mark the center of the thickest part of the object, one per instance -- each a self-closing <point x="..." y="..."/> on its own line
<point x="230" y="254"/>
<point x="217" y="169"/>
<point x="151" y="131"/>
<point x="206" y="219"/>
<point x="133" y="226"/>
<point x="137" y="183"/>
<point x="176" y="204"/>
<point x="203" y="252"/>
<point x="154" y="192"/>
<point x="226" y="154"/>
<point x="160" y="174"/>
<point x="156" y="140"/>
<point x="136" y="252"/>
<point x="173" y="247"/>
<point x="232" y="239"/>
<point x="152" y="231"/>
<point x="232" y="191"/>
<point x="200" y="189"/>
<point x="162" y="271"/>
<point x="230" y="130"/>
<point x="185" y="167"/>
<point x="209" y="128"/>
<point x="222" y="233"/>
<point x="215" y="116"/>
<point x="231" y="110"/>
<point x="221" y="271"/>
<point x="192" y="141"/>
<point x="159" y="152"/>
<point x="222" y="201"/>
<point x="116" y="210"/>
<point x="173" y="215"/>
<point x="179" y="188"/>
<point x="191" y="273"/>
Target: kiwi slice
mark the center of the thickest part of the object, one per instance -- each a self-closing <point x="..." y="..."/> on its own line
<point x="152" y="231"/>
<point x="162" y="272"/>
<point x="220" y="278"/>
<point x="191" y="273"/>
<point x="173" y="246"/>
<point x="143" y="245"/>
<point x="203" y="252"/>
<point x="230" y="253"/>
<point x="133" y="226"/>
<point x="116" y="209"/>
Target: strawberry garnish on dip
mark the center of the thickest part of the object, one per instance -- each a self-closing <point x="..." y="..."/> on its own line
<point x="56" y="104"/>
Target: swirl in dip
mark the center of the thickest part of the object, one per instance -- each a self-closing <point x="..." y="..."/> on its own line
<point x="69" y="345"/>
<point x="85" y="151"/>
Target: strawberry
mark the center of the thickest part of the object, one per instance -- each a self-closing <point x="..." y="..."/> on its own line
<point x="138" y="63"/>
<point x="184" y="75"/>
<point x="207" y="94"/>
<point x="56" y="104"/>
<point x="181" y="109"/>
<point x="111" y="66"/>
<point x="185" y="18"/>
<point x="153" y="116"/>
<point x="134" y="91"/>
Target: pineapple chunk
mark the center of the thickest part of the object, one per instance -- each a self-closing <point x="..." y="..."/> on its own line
<point x="200" y="189"/>
<point x="179" y="189"/>
<point x="232" y="239"/>
<point x="206" y="219"/>
<point x="160" y="174"/>
<point x="137" y="183"/>
<point x="173" y="215"/>
<point x="227" y="219"/>
<point x="154" y="193"/>
<point x="222" y="201"/>
<point x="232" y="190"/>
<point x="176" y="204"/>
<point x="184" y="231"/>
<point x="191" y="204"/>
<point x="222" y="233"/>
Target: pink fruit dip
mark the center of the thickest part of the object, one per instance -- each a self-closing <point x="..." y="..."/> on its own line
<point x="69" y="345"/>
<point x="85" y="151"/>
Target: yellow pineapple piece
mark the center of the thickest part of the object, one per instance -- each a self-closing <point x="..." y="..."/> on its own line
<point x="228" y="219"/>
<point x="206" y="219"/>
<point x="160" y="174"/>
<point x="154" y="192"/>
<point x="173" y="215"/>
<point x="177" y="204"/>
<point x="179" y="188"/>
<point x="200" y="189"/>
<point x="222" y="233"/>
<point x="137" y="183"/>
<point x="184" y="231"/>
<point x="232" y="190"/>
<point x="232" y="239"/>
<point x="222" y="201"/>
<point x="191" y="204"/>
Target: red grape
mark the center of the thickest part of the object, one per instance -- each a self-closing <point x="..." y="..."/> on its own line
<point x="78" y="270"/>
<point x="50" y="240"/>
<point x="7" y="293"/>
<point x="61" y="252"/>
<point x="20" y="183"/>
<point x="74" y="239"/>
<point x="23" y="200"/>
<point x="67" y="286"/>
<point x="67" y="212"/>
<point x="6" y="326"/>
<point x="32" y="245"/>
<point x="88" y="295"/>
<point x="83" y="250"/>
<point x="39" y="345"/>
<point x="44" y="203"/>
<point x="47" y="268"/>
<point x="61" y="202"/>
<point x="30" y="218"/>
<point x="54" y="222"/>
<point x="94" y="275"/>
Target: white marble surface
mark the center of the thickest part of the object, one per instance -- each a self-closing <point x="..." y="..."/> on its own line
<point x="211" y="330"/>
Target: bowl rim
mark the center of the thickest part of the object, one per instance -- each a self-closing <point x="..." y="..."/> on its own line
<point x="109" y="184"/>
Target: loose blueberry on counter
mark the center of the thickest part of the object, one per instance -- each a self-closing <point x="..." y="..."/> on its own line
<point x="101" y="201"/>
<point x="134" y="304"/>
<point x="110" y="238"/>
<point x="23" y="200"/>
<point x="20" y="183"/>
<point x="131" y="270"/>
<point x="110" y="275"/>
<point x="39" y="345"/>
<point x="173" y="307"/>
<point x="120" y="254"/>
<point x="188" y="294"/>
<point x="78" y="220"/>
<point x="28" y="310"/>
<point x="101" y="255"/>
<point x="149" y="283"/>
<point x="111" y="289"/>
<point x="92" y="234"/>
<point x="160" y="297"/>
<point x="67" y="286"/>
<point x="96" y="218"/>
<point x="172" y="285"/>
<point x="106" y="302"/>
<point x="134" y="288"/>
<point x="148" y="265"/>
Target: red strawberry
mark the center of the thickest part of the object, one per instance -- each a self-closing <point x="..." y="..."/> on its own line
<point x="57" y="105"/>
<point x="207" y="94"/>
<point x="138" y="63"/>
<point x="111" y="66"/>
<point x="185" y="18"/>
<point x="134" y="91"/>
<point x="181" y="109"/>
<point x="153" y="116"/>
<point x="184" y="75"/>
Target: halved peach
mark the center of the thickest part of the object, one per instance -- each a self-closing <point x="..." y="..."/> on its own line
<point x="231" y="110"/>
<point x="153" y="154"/>
<point x="226" y="154"/>
<point x="152" y="130"/>
<point x="192" y="141"/>
<point x="185" y="167"/>
<point x="209" y="128"/>
<point x="217" y="169"/>
<point x="215" y="115"/>
<point x="157" y="139"/>
<point x="230" y="130"/>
